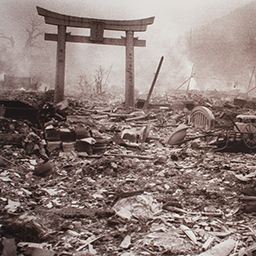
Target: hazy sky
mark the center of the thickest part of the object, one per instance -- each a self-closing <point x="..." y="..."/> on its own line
<point x="172" y="19"/>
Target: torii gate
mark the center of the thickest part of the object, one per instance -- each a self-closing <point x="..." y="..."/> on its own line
<point x="97" y="27"/>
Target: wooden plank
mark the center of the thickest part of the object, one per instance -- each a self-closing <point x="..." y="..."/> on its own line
<point x="85" y="39"/>
<point x="11" y="139"/>
<point x="54" y="18"/>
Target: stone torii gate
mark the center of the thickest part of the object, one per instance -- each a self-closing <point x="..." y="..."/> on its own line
<point x="97" y="27"/>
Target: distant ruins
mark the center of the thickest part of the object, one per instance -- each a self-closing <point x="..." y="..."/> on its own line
<point x="16" y="82"/>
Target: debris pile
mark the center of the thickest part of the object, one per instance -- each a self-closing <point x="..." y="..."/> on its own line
<point x="96" y="179"/>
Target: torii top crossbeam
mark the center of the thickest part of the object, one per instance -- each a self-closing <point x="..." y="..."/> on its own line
<point x="54" y="18"/>
<point x="97" y="27"/>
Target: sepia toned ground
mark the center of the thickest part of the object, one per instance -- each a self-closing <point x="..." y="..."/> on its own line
<point x="128" y="197"/>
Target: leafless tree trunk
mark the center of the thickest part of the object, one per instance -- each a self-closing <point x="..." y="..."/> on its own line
<point x="34" y="32"/>
<point x="8" y="38"/>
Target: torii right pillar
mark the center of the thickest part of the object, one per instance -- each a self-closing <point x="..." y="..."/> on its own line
<point x="129" y="70"/>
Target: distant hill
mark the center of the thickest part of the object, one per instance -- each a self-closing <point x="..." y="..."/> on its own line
<point x="224" y="51"/>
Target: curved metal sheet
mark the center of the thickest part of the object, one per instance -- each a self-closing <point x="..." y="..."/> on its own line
<point x="202" y="117"/>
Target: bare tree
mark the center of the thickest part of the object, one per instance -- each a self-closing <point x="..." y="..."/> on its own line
<point x="84" y="85"/>
<point x="251" y="39"/>
<point x="8" y="39"/>
<point x="34" y="32"/>
<point x="99" y="77"/>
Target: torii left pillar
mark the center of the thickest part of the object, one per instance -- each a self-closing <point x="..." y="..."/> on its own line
<point x="97" y="27"/>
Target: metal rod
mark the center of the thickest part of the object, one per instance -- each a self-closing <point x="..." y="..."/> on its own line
<point x="251" y="78"/>
<point x="191" y="74"/>
<point x="184" y="82"/>
<point x="153" y="83"/>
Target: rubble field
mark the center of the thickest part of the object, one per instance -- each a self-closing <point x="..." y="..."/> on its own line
<point x="91" y="178"/>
